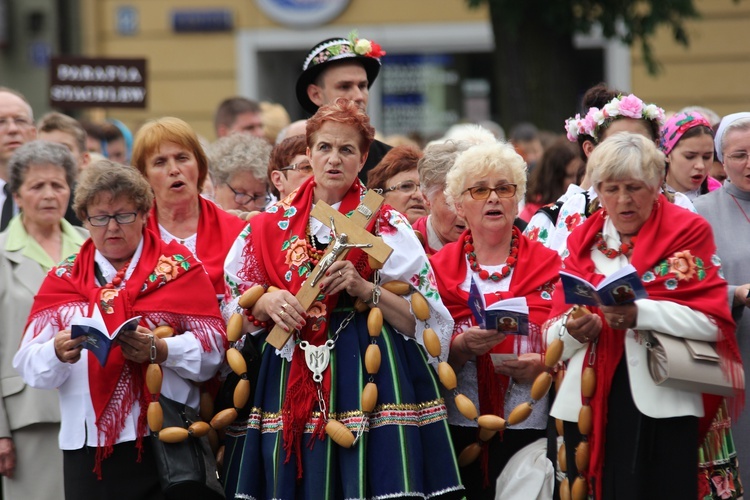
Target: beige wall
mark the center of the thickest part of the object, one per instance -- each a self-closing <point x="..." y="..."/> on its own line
<point x="712" y="71"/>
<point x="189" y="74"/>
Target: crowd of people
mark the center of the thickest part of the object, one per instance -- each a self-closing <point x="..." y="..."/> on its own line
<point x="423" y="372"/>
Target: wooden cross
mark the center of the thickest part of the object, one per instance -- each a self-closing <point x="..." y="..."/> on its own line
<point x="354" y="229"/>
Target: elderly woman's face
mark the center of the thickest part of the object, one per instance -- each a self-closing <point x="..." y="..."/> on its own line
<point x="737" y="142"/>
<point x="43" y="196"/>
<point x="116" y="241"/>
<point x="446" y="223"/>
<point x="243" y="192"/>
<point x="495" y="213"/>
<point x="403" y="193"/>
<point x="172" y="171"/>
<point x="628" y="203"/>
<point x="336" y="159"/>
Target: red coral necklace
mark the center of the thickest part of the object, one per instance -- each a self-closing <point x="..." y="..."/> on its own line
<point x="510" y="262"/>
<point x="119" y="278"/>
<point x="611" y="253"/>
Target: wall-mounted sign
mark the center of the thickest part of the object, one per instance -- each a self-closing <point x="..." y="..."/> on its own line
<point x="126" y="20"/>
<point x="302" y="13"/>
<point x="203" y="20"/>
<point x="79" y="82"/>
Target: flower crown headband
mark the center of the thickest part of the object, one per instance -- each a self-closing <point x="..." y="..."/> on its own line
<point x="629" y="106"/>
<point x="343" y="47"/>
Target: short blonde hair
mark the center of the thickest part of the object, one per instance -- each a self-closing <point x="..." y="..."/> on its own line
<point x="481" y="161"/>
<point x="627" y="156"/>
<point x="155" y="133"/>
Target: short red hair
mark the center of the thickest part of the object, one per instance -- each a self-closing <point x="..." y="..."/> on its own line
<point x="346" y="112"/>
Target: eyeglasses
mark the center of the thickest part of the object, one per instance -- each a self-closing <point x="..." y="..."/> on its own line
<point x="244" y="198"/>
<point x="738" y="158"/>
<point x="405" y="187"/>
<point x="20" y="122"/>
<point x="483" y="192"/>
<point x="304" y="168"/>
<point x="103" y="220"/>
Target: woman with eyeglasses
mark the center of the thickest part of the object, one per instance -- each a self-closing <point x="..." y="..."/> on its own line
<point x="41" y="174"/>
<point x="727" y="209"/>
<point x="122" y="271"/>
<point x="636" y="428"/>
<point x="289" y="166"/>
<point x="484" y="187"/>
<point x="239" y="164"/>
<point x="168" y="154"/>
<point x="397" y="177"/>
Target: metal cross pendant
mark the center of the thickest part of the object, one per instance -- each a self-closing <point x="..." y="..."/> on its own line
<point x="317" y="357"/>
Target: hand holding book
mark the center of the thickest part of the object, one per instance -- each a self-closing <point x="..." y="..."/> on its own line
<point x="621" y="287"/>
<point x="98" y="339"/>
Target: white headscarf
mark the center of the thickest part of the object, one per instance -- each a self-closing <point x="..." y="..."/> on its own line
<point x="725" y="123"/>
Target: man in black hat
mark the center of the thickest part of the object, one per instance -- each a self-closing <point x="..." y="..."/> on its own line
<point x="341" y="67"/>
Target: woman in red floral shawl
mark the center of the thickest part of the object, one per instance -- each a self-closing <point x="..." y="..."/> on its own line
<point x="168" y="154"/>
<point x="123" y="271"/>
<point x="281" y="449"/>
<point x="645" y="437"/>
<point x="485" y="185"/>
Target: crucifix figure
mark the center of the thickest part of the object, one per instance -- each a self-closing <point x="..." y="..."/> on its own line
<point x="340" y="243"/>
<point x="352" y="233"/>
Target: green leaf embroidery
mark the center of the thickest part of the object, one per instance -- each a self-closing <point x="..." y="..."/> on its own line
<point x="285" y="246"/>
<point x="662" y="269"/>
<point x="701" y="275"/>
<point x="294" y="238"/>
<point x="185" y="265"/>
<point x="178" y="257"/>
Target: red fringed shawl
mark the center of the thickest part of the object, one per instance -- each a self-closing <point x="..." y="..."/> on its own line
<point x="676" y="259"/>
<point x="279" y="238"/>
<point x="217" y="231"/>
<point x="534" y="277"/>
<point x="167" y="286"/>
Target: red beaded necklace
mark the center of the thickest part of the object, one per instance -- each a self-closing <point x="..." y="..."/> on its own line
<point x="119" y="277"/>
<point x="611" y="253"/>
<point x="483" y="273"/>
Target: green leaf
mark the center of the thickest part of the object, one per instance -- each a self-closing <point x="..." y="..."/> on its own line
<point x="185" y="265"/>
<point x="285" y="246"/>
<point x="294" y="238"/>
<point x="701" y="275"/>
<point x="178" y="257"/>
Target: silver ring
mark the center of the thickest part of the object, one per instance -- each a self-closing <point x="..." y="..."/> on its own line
<point x="340" y="275"/>
<point x="284" y="306"/>
<point x="282" y="313"/>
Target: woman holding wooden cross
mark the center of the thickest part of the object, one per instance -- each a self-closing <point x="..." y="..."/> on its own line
<point x="332" y="417"/>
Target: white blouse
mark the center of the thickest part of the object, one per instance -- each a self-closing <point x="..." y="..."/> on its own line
<point x="39" y="366"/>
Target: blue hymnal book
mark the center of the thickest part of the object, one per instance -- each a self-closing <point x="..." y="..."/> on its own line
<point x="508" y="316"/>
<point x="621" y="287"/>
<point x="99" y="340"/>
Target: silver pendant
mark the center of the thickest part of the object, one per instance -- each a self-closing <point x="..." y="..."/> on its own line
<point x="317" y="357"/>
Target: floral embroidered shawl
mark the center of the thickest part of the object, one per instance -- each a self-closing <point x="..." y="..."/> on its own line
<point x="676" y="259"/>
<point x="158" y="289"/>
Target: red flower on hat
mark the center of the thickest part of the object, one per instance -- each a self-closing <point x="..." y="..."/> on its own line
<point x="376" y="51"/>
